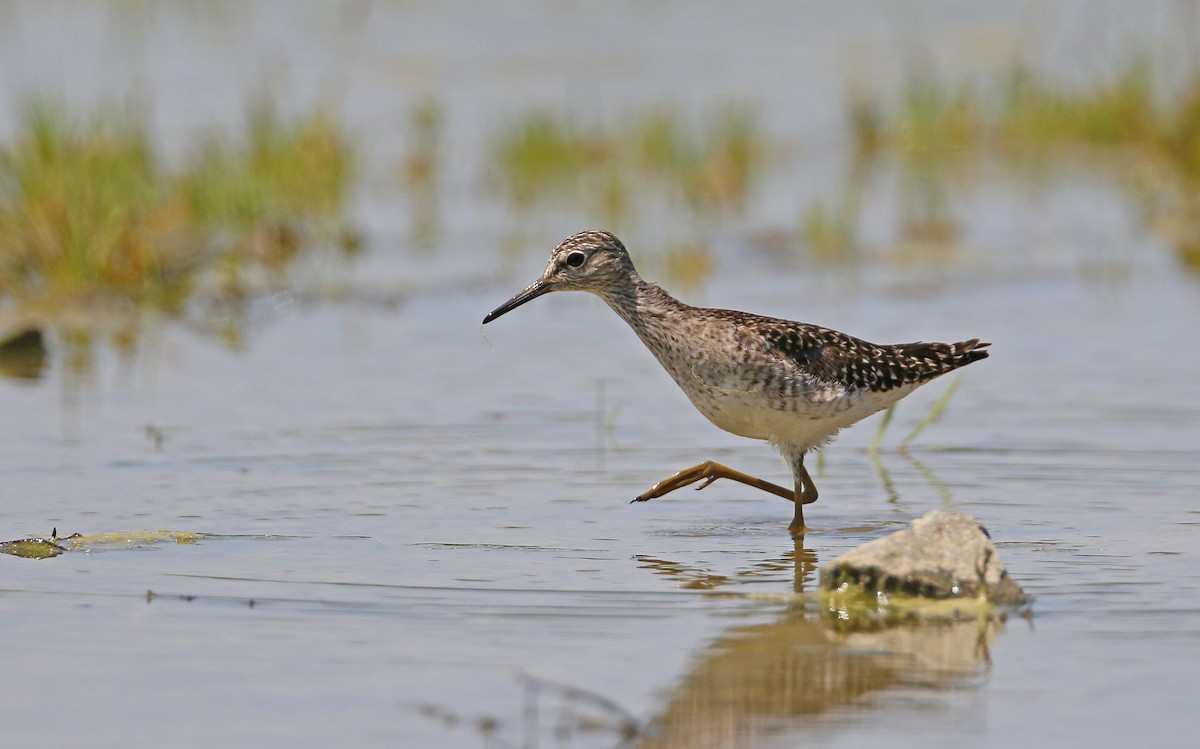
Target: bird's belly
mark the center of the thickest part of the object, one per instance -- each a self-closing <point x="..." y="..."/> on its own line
<point x="760" y="397"/>
<point x="806" y="420"/>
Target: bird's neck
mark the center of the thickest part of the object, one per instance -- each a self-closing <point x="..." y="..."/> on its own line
<point x="642" y="304"/>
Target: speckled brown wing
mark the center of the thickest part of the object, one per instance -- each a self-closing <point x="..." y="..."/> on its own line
<point x="852" y="363"/>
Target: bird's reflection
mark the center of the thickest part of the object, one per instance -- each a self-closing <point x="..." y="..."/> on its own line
<point x="799" y="563"/>
<point x="767" y="679"/>
<point x="759" y="683"/>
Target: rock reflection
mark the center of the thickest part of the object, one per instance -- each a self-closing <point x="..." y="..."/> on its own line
<point x="760" y="684"/>
<point x="759" y="681"/>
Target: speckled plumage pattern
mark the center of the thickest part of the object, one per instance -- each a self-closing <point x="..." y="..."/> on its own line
<point x="790" y="383"/>
<point x="793" y="384"/>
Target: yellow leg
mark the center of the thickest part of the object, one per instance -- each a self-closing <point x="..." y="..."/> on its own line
<point x="797" y="526"/>
<point x="708" y="472"/>
<point x="806" y="493"/>
<point x="807" y="489"/>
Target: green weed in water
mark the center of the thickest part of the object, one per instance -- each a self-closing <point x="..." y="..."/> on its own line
<point x="1130" y="126"/>
<point x="420" y="169"/>
<point x="1147" y="137"/>
<point x="934" y="136"/>
<point x="88" y="212"/>
<point x="1034" y="114"/>
<point x="733" y="154"/>
<point x="543" y="156"/>
<point x="829" y="234"/>
<point x="643" y="164"/>
<point x="932" y="415"/>
<point x="688" y="265"/>
<point x="546" y="157"/>
<point x="257" y="198"/>
<point x="86" y="208"/>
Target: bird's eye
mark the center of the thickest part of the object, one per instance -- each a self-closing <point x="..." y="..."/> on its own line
<point x="576" y="259"/>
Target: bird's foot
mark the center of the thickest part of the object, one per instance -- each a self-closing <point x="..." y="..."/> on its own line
<point x="708" y="472"/>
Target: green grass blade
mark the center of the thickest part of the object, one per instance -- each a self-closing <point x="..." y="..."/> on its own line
<point x="883" y="426"/>
<point x="934" y="413"/>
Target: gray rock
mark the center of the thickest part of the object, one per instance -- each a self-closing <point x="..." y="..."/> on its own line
<point x="944" y="555"/>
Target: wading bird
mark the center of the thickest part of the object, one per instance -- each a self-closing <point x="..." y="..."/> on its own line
<point x="792" y="384"/>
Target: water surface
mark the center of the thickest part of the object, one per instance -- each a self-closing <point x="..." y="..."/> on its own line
<point x="420" y="529"/>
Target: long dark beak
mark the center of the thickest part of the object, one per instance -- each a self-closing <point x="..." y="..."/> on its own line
<point x="531" y="292"/>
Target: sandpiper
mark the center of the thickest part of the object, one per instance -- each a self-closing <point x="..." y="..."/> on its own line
<point x="792" y="384"/>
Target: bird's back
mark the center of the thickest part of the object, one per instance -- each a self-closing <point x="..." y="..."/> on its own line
<point x="783" y="381"/>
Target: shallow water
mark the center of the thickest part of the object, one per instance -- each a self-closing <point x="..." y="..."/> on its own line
<point x="420" y="530"/>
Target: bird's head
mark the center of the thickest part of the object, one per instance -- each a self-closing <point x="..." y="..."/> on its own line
<point x="594" y="261"/>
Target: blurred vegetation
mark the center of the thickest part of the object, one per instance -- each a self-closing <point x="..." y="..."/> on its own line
<point x="829" y="233"/>
<point x="1148" y="135"/>
<point x="649" y="161"/>
<point x="1132" y="128"/>
<point x="257" y="203"/>
<point x="546" y="157"/>
<point x="419" y="169"/>
<point x="91" y="218"/>
<point x="86" y="207"/>
<point x="932" y="136"/>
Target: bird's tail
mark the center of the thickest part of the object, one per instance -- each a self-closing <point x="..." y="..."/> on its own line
<point x="964" y="352"/>
<point x="940" y="358"/>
